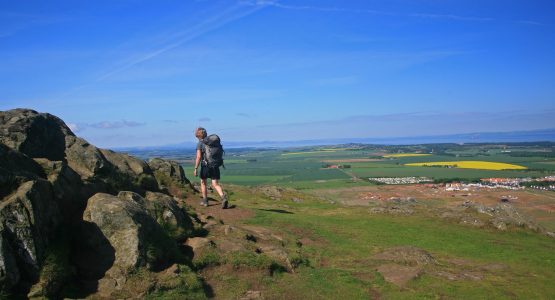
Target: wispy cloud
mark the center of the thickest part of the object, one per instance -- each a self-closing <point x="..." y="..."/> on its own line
<point x="277" y="4"/>
<point x="244" y="115"/>
<point x="448" y="16"/>
<point x="178" y="38"/>
<point x="16" y="22"/>
<point x="171" y="41"/>
<point x="204" y="119"/>
<point x="115" y="125"/>
<point x="421" y="15"/>
<point x="534" y="23"/>
<point x="108" y="125"/>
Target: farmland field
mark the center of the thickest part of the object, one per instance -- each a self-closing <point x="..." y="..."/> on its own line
<point x="405" y="155"/>
<point x="316" y="167"/>
<point x="471" y="164"/>
<point x="310" y="167"/>
<point x="336" y="222"/>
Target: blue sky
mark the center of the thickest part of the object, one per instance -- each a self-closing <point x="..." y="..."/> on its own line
<point x="143" y="73"/>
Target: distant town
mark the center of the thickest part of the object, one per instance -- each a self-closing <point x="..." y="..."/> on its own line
<point x="546" y="183"/>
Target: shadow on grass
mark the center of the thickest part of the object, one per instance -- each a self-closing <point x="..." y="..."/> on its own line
<point x="280" y="211"/>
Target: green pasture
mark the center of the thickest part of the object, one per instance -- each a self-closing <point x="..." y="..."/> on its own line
<point x="252" y="179"/>
<point x="303" y="167"/>
<point x="341" y="264"/>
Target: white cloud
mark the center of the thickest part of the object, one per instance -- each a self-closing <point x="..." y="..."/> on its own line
<point x="115" y="125"/>
<point x="78" y="127"/>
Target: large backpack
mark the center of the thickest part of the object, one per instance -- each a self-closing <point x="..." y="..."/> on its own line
<point x="213" y="151"/>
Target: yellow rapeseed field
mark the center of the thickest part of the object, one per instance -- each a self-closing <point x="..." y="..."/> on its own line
<point x="405" y="155"/>
<point x="471" y="164"/>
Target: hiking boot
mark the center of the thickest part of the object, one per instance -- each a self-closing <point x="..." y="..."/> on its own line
<point x="224" y="202"/>
<point x="204" y="203"/>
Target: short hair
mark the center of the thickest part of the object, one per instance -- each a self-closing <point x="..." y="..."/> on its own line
<point x="200" y="133"/>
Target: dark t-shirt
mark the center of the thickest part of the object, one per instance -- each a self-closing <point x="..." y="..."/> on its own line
<point x="200" y="146"/>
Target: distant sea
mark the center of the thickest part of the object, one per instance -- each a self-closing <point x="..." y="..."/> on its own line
<point x="544" y="135"/>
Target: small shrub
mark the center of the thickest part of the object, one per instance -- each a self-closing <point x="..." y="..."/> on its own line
<point x="298" y="261"/>
<point x="161" y="250"/>
<point x="250" y="260"/>
<point x="210" y="257"/>
<point x="185" y="285"/>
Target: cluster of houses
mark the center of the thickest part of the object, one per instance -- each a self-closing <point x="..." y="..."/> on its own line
<point x="505" y="183"/>
<point x="546" y="187"/>
<point x="337" y="166"/>
<point x="475" y="186"/>
<point x="550" y="187"/>
<point x="488" y="183"/>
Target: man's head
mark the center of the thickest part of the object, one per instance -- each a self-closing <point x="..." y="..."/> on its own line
<point x="200" y="133"/>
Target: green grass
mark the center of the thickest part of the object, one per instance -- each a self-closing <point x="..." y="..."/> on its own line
<point x="327" y="184"/>
<point x="317" y="174"/>
<point x="251" y="179"/>
<point x="352" y="236"/>
<point x="186" y="285"/>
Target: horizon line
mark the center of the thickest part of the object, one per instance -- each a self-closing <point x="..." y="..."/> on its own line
<point x="361" y="140"/>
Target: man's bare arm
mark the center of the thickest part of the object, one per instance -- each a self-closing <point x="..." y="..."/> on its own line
<point x="197" y="161"/>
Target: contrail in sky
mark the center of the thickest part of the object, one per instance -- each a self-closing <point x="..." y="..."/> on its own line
<point x="277" y="4"/>
<point x="229" y="15"/>
<point x="263" y="3"/>
<point x="176" y="39"/>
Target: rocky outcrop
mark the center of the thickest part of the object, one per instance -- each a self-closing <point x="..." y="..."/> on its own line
<point x="28" y="220"/>
<point x="121" y="221"/>
<point x="48" y="177"/>
<point x="138" y="171"/>
<point x="85" y="159"/>
<point x="68" y="189"/>
<point x="168" y="168"/>
<point x="171" y="176"/>
<point x="16" y="168"/>
<point x="37" y="135"/>
<point x="501" y="216"/>
<point x="165" y="210"/>
<point x="137" y="240"/>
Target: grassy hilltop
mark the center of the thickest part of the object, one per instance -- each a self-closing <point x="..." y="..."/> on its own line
<point x="354" y="239"/>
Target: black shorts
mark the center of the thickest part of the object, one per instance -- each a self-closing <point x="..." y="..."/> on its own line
<point x="209" y="172"/>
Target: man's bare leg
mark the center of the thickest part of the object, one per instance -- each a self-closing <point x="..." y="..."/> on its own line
<point x="220" y="191"/>
<point x="204" y="192"/>
<point x="216" y="185"/>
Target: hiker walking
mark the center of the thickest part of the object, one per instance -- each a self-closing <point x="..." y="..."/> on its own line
<point x="209" y="158"/>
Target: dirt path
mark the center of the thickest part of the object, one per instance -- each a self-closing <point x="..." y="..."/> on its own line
<point x="214" y="209"/>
